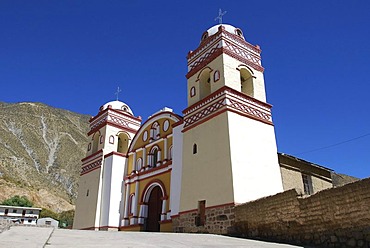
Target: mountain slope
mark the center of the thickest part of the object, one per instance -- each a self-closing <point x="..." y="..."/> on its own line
<point x="40" y="150"/>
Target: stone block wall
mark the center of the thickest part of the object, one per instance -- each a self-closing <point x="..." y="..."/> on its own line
<point x="336" y="217"/>
<point x="218" y="220"/>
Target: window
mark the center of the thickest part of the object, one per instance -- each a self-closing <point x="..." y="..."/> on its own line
<point x="131" y="203"/>
<point x="48" y="222"/>
<point x="111" y="139"/>
<point x="123" y="143"/>
<point x="246" y="82"/>
<point x="204" y="83"/>
<point x="170" y="153"/>
<point x="307" y="184"/>
<point x="195" y="149"/>
<point x="139" y="164"/>
<point x="24" y="212"/>
<point x="14" y="210"/>
<point x="95" y="145"/>
<point x="216" y="76"/>
<point x="155" y="157"/>
<point x="29" y="220"/>
<point x="6" y="211"/>
<point x="192" y="91"/>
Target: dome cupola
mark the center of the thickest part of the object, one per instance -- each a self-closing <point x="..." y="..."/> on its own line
<point x="228" y="28"/>
<point x="117" y="105"/>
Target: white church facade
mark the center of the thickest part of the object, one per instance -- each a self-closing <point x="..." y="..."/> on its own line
<point x="186" y="173"/>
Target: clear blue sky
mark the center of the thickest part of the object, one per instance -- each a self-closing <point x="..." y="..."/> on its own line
<point x="73" y="55"/>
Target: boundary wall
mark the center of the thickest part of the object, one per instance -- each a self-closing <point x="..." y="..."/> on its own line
<point x="335" y="217"/>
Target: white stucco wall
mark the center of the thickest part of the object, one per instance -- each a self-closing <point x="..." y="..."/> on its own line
<point x="176" y="173"/>
<point x="255" y="167"/>
<point x="111" y="191"/>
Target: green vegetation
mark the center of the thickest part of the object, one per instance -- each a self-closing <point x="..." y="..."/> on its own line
<point x="20" y="201"/>
<point x="65" y="218"/>
<point x="48" y="213"/>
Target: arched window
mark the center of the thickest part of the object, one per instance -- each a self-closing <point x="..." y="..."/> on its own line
<point x="192" y="91"/>
<point x="205" y="83"/>
<point x="123" y="142"/>
<point x="170" y="153"/>
<point x="96" y="138"/>
<point x="139" y="164"/>
<point x="111" y="139"/>
<point x="195" y="149"/>
<point x="246" y="82"/>
<point x="131" y="204"/>
<point x="155" y="157"/>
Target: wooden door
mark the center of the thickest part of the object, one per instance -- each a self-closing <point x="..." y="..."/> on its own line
<point x="154" y="210"/>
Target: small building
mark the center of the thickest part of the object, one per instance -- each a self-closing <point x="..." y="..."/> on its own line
<point x="306" y="176"/>
<point x="48" y="222"/>
<point x="21" y="215"/>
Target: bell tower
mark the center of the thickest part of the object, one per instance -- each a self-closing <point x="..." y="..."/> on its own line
<point x="229" y="148"/>
<point x="98" y="205"/>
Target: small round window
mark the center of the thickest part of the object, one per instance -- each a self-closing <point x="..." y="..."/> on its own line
<point x="239" y="32"/>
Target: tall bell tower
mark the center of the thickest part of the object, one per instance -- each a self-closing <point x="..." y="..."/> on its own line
<point x="229" y="147"/>
<point x="98" y="205"/>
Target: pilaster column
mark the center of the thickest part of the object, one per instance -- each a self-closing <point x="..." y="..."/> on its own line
<point x="127" y="196"/>
<point x="136" y="200"/>
<point x="165" y="149"/>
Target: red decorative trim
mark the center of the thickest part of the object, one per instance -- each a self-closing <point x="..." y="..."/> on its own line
<point x="109" y="123"/>
<point x="116" y="111"/>
<point x="205" y="60"/>
<point x="251" y="60"/>
<point x="226" y="99"/>
<point x="149" y="171"/>
<point x="92" y="155"/>
<point x="115" y="153"/>
<point x="177" y="123"/>
<point x="90" y="167"/>
<point x="235" y="46"/>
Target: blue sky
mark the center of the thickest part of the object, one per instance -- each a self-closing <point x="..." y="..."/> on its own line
<point x="316" y="54"/>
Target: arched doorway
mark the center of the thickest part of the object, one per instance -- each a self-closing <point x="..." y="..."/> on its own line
<point x="154" y="210"/>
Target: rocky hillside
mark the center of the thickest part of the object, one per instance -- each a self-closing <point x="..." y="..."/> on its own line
<point x="41" y="148"/>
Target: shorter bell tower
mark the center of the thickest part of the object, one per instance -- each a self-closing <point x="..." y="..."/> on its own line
<point x="98" y="205"/>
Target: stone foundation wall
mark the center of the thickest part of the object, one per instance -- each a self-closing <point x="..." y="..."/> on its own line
<point x="336" y="217"/>
<point x="218" y="220"/>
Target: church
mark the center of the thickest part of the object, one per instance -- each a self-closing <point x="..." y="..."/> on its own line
<point x="186" y="173"/>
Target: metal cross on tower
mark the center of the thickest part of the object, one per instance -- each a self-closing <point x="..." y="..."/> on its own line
<point x="117" y="92"/>
<point x="220" y="15"/>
